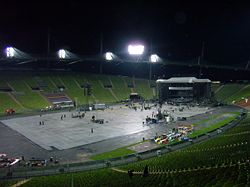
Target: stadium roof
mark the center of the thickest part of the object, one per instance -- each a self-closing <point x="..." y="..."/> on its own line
<point x="183" y="80"/>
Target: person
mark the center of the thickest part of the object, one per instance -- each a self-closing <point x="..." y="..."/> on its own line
<point x="130" y="173"/>
<point x="108" y="163"/>
<point x="145" y="172"/>
<point x="51" y="159"/>
<point x="61" y="117"/>
<point x="64" y="115"/>
<point x="92" y="130"/>
<point x="40" y="123"/>
<point x="93" y="118"/>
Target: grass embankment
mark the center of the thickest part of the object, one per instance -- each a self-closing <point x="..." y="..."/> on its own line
<point x="211" y="127"/>
<point x="123" y="151"/>
<point x="112" y="154"/>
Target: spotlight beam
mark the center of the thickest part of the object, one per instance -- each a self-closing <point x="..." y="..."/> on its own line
<point x="74" y="62"/>
<point x="27" y="61"/>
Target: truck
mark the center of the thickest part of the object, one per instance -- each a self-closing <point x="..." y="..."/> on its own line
<point x="99" y="106"/>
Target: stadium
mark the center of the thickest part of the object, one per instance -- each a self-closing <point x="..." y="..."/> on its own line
<point x="126" y="114"/>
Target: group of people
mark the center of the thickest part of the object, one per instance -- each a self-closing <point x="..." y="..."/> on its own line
<point x="79" y="115"/>
<point x="63" y="116"/>
<point x="144" y="174"/>
<point x="41" y="122"/>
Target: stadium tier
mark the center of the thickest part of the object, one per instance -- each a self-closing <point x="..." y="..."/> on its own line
<point x="222" y="161"/>
<point x="29" y="91"/>
<point x="227" y="90"/>
<point x="22" y="89"/>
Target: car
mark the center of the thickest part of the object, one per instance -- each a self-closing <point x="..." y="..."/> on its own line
<point x="10" y="111"/>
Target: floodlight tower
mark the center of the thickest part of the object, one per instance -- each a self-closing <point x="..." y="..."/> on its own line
<point x="154" y="58"/>
<point x="136" y="50"/>
<point x="10" y="52"/>
<point x="101" y="52"/>
<point x="109" y="56"/>
<point x="61" y="54"/>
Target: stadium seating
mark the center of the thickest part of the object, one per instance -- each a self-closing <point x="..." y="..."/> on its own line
<point x="215" y="87"/>
<point x="29" y="91"/>
<point x="23" y="88"/>
<point x="142" y="87"/>
<point x="227" y="91"/>
<point x="222" y="161"/>
<point x="242" y="93"/>
<point x="120" y="88"/>
<point x="23" y="93"/>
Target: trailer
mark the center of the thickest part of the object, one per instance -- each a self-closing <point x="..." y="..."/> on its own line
<point x="99" y="106"/>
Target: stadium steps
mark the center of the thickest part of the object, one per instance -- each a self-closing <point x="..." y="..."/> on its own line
<point x="41" y="84"/>
<point x="13" y="90"/>
<point x="25" y="95"/>
<point x="112" y="90"/>
<point x="45" y="83"/>
<point x="128" y="81"/>
<point x="28" y="85"/>
<point x="30" y="82"/>
<point x="73" y="90"/>
<point x="242" y="93"/>
<point x="81" y="80"/>
<point x="142" y="88"/>
<point x="52" y="82"/>
<point x="55" y="79"/>
<point x="6" y="101"/>
<point x="109" y="89"/>
<point x="77" y="83"/>
<point x="100" y="93"/>
<point x="119" y="87"/>
<point x="227" y="90"/>
<point x="13" y="98"/>
<point x="237" y="95"/>
<point x="4" y="87"/>
<point x="20" y="183"/>
<point x="104" y="80"/>
<point x="216" y="87"/>
<point x="112" y="93"/>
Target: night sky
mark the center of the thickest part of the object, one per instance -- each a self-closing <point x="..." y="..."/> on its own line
<point x="176" y="28"/>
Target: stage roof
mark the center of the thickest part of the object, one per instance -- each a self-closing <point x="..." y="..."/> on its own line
<point x="183" y="80"/>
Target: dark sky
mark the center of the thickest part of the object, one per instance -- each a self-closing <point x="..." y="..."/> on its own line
<point x="176" y="28"/>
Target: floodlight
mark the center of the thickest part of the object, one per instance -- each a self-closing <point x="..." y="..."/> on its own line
<point x="135" y="49"/>
<point x="62" y="54"/>
<point x="109" y="56"/>
<point x="10" y="51"/>
<point x="154" y="58"/>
